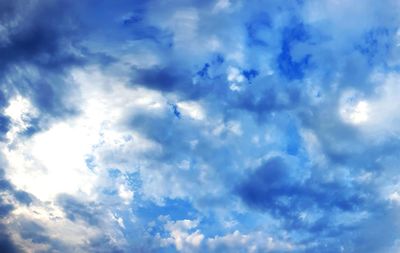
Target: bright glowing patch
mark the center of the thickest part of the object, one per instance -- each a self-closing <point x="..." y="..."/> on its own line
<point x="55" y="161"/>
<point x="125" y="194"/>
<point x="360" y="113"/>
<point x="235" y="78"/>
<point x="19" y="110"/>
<point x="192" y="109"/>
<point x="394" y="197"/>
<point x="354" y="111"/>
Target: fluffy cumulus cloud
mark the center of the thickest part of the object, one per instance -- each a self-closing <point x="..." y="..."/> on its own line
<point x="199" y="126"/>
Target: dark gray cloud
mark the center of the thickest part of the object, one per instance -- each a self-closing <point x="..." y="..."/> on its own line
<point x="276" y="188"/>
<point x="38" y="45"/>
<point x="78" y="210"/>
<point x="9" y="193"/>
<point x="6" y="243"/>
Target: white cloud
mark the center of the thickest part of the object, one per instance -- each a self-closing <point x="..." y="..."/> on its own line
<point x="235" y="79"/>
<point x="253" y="242"/>
<point x="222" y="5"/>
<point x="376" y="115"/>
<point x="181" y="237"/>
<point x="55" y="160"/>
<point x="192" y="109"/>
<point x="233" y="127"/>
<point x="125" y="194"/>
<point x="313" y="147"/>
<point x="19" y="110"/>
<point x="353" y="109"/>
<point x="185" y="236"/>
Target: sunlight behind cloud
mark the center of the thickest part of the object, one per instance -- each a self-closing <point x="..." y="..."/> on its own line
<point x="51" y="162"/>
<point x="354" y="110"/>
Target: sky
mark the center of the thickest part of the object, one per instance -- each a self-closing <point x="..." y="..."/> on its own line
<point x="183" y="126"/>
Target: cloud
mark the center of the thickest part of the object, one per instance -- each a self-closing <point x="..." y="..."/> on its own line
<point x="183" y="240"/>
<point x="185" y="236"/>
<point x="212" y="126"/>
<point x="74" y="209"/>
<point x="6" y="243"/>
<point x="255" y="242"/>
<point x="37" y="47"/>
<point x="302" y="199"/>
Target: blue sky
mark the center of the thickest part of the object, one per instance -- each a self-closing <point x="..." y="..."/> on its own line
<point x="199" y="126"/>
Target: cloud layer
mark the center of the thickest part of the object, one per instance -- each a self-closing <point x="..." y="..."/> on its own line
<point x="199" y="126"/>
